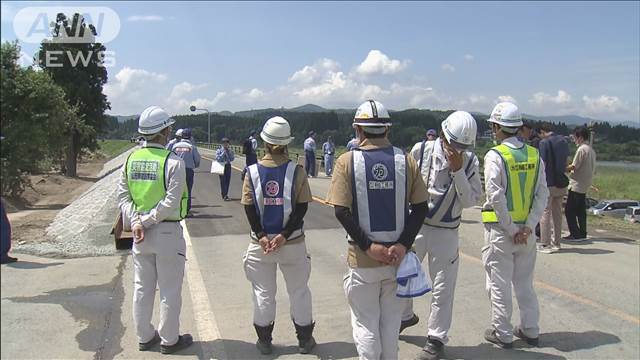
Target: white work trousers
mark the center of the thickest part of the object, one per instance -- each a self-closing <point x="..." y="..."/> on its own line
<point x="442" y="247"/>
<point x="376" y="311"/>
<point x="506" y="263"/>
<point x="260" y="269"/>
<point x="159" y="261"/>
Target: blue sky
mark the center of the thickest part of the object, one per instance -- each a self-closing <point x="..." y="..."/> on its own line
<point x="551" y="58"/>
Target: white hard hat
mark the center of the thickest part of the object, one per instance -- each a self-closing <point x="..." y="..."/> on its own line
<point x="179" y="132"/>
<point x="460" y="128"/>
<point x="153" y="119"/>
<point x="276" y="131"/>
<point x="506" y="114"/>
<point x="372" y="114"/>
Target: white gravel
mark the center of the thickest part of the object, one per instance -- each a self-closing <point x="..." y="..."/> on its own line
<point x="83" y="228"/>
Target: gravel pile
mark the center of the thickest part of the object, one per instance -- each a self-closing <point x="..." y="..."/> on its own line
<point x="83" y="228"/>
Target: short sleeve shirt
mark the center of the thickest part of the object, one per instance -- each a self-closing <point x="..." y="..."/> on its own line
<point x="340" y="192"/>
<point x="302" y="191"/>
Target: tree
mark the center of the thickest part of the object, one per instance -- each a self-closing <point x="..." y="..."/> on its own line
<point x="34" y="115"/>
<point x="75" y="62"/>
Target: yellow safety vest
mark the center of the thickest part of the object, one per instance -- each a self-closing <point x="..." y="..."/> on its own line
<point x="521" y="166"/>
<point x="145" y="170"/>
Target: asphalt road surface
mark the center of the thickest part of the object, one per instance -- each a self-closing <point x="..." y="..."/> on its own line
<point x="589" y="294"/>
<point x="81" y="308"/>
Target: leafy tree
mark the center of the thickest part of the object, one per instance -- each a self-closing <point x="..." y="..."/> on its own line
<point x="75" y="62"/>
<point x="34" y="116"/>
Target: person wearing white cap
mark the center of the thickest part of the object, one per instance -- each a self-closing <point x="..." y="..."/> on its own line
<point x="175" y="139"/>
<point x="516" y="190"/>
<point x="451" y="172"/>
<point x="152" y="197"/>
<point x="372" y="190"/>
<point x="275" y="197"/>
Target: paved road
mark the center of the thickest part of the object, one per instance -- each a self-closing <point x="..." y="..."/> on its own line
<point x="588" y="293"/>
<point x="80" y="308"/>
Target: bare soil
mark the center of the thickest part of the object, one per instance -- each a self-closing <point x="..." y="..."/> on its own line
<point x="30" y="214"/>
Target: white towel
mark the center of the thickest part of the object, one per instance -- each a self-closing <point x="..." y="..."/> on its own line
<point x="411" y="278"/>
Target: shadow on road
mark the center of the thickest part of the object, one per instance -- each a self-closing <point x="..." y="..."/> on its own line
<point x="563" y="341"/>
<point x="567" y="341"/>
<point x="241" y="350"/>
<point x="98" y="307"/>
<point x="32" y="265"/>
<point x="621" y="240"/>
<point x="204" y="206"/>
<point x="585" y="251"/>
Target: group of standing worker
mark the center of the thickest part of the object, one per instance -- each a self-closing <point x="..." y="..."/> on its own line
<point x="390" y="204"/>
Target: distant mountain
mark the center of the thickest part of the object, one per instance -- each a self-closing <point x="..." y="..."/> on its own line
<point x="225" y="113"/>
<point x="308" y="108"/>
<point x="567" y="119"/>
<point x="252" y="112"/>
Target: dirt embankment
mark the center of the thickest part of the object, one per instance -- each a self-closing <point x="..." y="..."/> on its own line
<point x="33" y="212"/>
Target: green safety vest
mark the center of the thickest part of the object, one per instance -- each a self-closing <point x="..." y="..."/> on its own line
<point x="521" y="166"/>
<point x="145" y="170"/>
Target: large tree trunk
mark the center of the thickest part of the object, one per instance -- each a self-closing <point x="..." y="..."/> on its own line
<point x="72" y="156"/>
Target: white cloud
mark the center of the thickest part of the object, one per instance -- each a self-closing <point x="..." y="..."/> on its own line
<point x="541" y="98"/>
<point x="448" y="68"/>
<point x="131" y="90"/>
<point x="506" y="98"/>
<point x="309" y="73"/>
<point x="477" y="99"/>
<point x="145" y="18"/>
<point x="255" y="93"/>
<point x="184" y="88"/>
<point x="377" y="62"/>
<point x="469" y="57"/>
<point x="604" y="104"/>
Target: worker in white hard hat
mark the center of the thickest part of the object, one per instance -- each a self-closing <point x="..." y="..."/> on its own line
<point x="152" y="197"/>
<point x="451" y="172"/>
<point x="372" y="190"/>
<point x="275" y="196"/>
<point x="516" y="190"/>
<point x="175" y="139"/>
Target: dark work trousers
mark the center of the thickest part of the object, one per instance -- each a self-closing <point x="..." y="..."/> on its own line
<point x="576" y="213"/>
<point x="190" y="174"/>
<point x="5" y="238"/>
<point x="310" y="162"/>
<point x="250" y="159"/>
<point x="225" y="179"/>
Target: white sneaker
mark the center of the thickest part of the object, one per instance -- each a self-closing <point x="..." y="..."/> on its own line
<point x="548" y="249"/>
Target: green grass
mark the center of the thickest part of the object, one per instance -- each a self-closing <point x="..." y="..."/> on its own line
<point x="113" y="148"/>
<point x="616" y="183"/>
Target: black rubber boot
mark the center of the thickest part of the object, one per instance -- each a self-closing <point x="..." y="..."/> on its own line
<point x="306" y="342"/>
<point x="264" y="338"/>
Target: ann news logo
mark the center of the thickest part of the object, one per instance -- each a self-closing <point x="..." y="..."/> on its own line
<point x="65" y="29"/>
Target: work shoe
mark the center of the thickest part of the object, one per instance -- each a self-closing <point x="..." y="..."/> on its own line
<point x="574" y="239"/>
<point x="490" y="336"/>
<point x="306" y="342"/>
<point x="149" y="344"/>
<point x="548" y="249"/>
<point x="519" y="333"/>
<point x="264" y="338"/>
<point x="433" y="350"/>
<point x="184" y="341"/>
<point x="9" y="259"/>
<point x="410" y="322"/>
